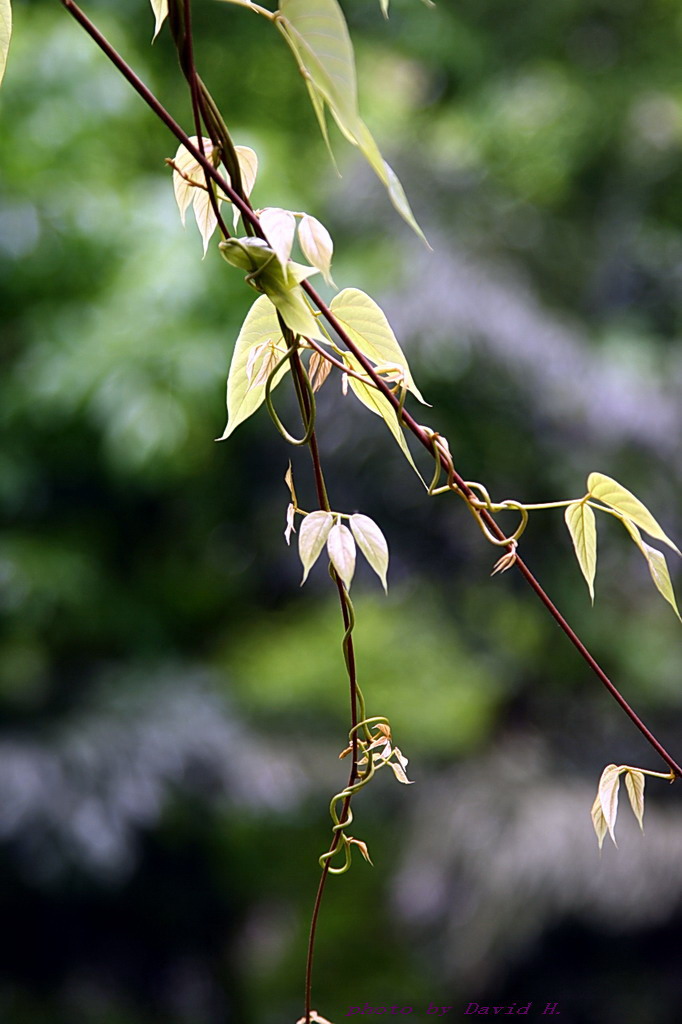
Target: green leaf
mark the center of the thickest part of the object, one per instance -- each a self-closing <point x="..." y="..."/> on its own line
<point x="260" y="327"/>
<point x="341" y="551"/>
<point x="280" y="228"/>
<point x="380" y="406"/>
<point x="372" y="543"/>
<point x="613" y="494"/>
<point x="312" y="535"/>
<point x="316" y="245"/>
<point x="608" y="796"/>
<point x="160" y="9"/>
<point x="658" y="567"/>
<point x="634" y="783"/>
<point x="266" y="274"/>
<point x="317" y="35"/>
<point x="5" y="33"/>
<point x="582" y="526"/>
<point x="368" y="327"/>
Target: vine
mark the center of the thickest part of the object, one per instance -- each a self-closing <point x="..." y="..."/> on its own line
<point x="291" y="330"/>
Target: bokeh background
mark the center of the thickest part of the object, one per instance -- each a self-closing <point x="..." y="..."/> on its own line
<point x="172" y="704"/>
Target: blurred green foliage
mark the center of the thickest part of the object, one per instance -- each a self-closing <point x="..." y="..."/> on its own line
<point x="541" y="147"/>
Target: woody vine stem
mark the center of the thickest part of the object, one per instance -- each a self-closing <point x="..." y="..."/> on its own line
<point x="370" y="744"/>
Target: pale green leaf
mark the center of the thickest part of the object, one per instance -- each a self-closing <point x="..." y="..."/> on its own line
<point x="280" y="228"/>
<point x="611" y="493"/>
<point x="396" y="193"/>
<point x="380" y="406"/>
<point x="634" y="783"/>
<point x="658" y="566"/>
<point x="184" y="162"/>
<point x="341" y="551"/>
<point x="599" y="821"/>
<point x="372" y="543"/>
<point x="260" y="327"/>
<point x="367" y="326"/>
<point x="608" y="796"/>
<point x="312" y="535"/>
<point x="248" y="169"/>
<point x="384" y="7"/>
<point x="291" y="520"/>
<point x="319" y="369"/>
<point x="265" y="273"/>
<point x="317" y="35"/>
<point x="582" y="526"/>
<point x="5" y="33"/>
<point x="289" y="481"/>
<point x="317" y="104"/>
<point x="249" y="254"/>
<point x="204" y="215"/>
<point x="316" y="245"/>
<point x="160" y="9"/>
<point x="189" y="186"/>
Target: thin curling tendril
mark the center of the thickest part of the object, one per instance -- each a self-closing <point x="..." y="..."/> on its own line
<point x="310" y="426"/>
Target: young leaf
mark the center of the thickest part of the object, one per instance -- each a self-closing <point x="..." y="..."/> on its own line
<point x="362" y="847"/>
<point x="315" y="1017"/>
<point x="248" y="169"/>
<point x="316" y="245"/>
<point x="265" y="273"/>
<point x="318" y="370"/>
<point x="608" y="796"/>
<point x="399" y="773"/>
<point x="261" y="326"/>
<point x="289" y="481"/>
<point x="380" y="406"/>
<point x="341" y="550"/>
<point x="396" y="193"/>
<point x="634" y="783"/>
<point x="291" y="519"/>
<point x="160" y="9"/>
<point x="241" y="3"/>
<point x="368" y="327"/>
<point x="384" y="7"/>
<point x="658" y="566"/>
<point x="581" y="523"/>
<point x="184" y="162"/>
<point x="204" y="215"/>
<point x="5" y="33"/>
<point x="599" y="821"/>
<point x="372" y="543"/>
<point x="312" y="535"/>
<point x="617" y="497"/>
<point x="317" y="35"/>
<point x="279" y="227"/>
